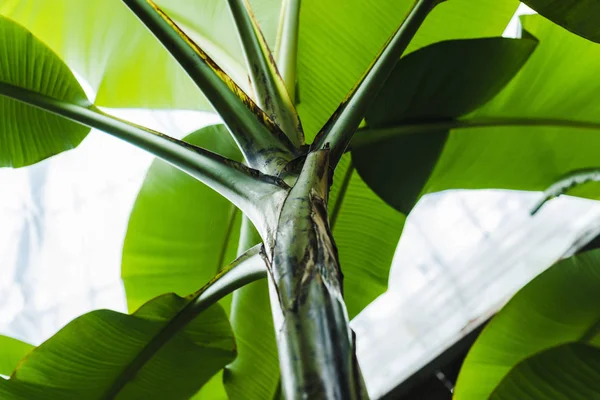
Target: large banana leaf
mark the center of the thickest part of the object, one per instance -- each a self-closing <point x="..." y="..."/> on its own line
<point x="28" y="135"/>
<point x="541" y="126"/>
<point x="559" y="82"/>
<point x="560" y="306"/>
<point x="473" y="72"/>
<point x="89" y="357"/>
<point x="137" y="72"/>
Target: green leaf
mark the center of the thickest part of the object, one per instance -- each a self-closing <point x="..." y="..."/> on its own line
<point x="567" y="372"/>
<point x="448" y="79"/>
<point x="441" y="81"/>
<point x="548" y="112"/>
<point x="362" y="222"/>
<point x="180" y="231"/>
<point x="86" y="358"/>
<point x="254" y="374"/>
<point x="213" y="389"/>
<point x="558" y="82"/>
<point x="11" y="352"/>
<point x="560" y="306"/>
<point x="334" y="52"/>
<point x="578" y="16"/>
<point x="138" y="71"/>
<point x="28" y="135"/>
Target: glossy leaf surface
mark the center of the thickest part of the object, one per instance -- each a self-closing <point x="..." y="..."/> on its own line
<point x="443" y="81"/>
<point x="11" y="352"/>
<point x="558" y="81"/>
<point x="28" y="135"/>
<point x="139" y="72"/>
<point x="560" y="306"/>
<point x="545" y="112"/>
<point x="567" y="372"/>
<point x="86" y="358"/>
<point x="335" y="52"/>
<point x="578" y="16"/>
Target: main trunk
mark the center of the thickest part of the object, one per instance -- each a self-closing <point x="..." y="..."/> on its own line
<point x="315" y="343"/>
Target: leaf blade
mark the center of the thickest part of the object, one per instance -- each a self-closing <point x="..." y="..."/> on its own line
<point x="12" y="351"/>
<point x="474" y="71"/>
<point x="579" y="17"/>
<point x="29" y="135"/>
<point x="107" y="339"/>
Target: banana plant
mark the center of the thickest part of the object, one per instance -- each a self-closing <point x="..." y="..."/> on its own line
<point x="291" y="150"/>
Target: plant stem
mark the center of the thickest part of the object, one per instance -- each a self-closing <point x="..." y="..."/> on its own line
<point x="286" y="48"/>
<point x="247" y="268"/>
<point x="368" y="136"/>
<point x="338" y="131"/>
<point x="316" y="348"/>
<point x="262" y="142"/>
<point x="248" y="189"/>
<point x="269" y="87"/>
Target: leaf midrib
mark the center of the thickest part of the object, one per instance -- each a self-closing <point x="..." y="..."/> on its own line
<point x="369" y="136"/>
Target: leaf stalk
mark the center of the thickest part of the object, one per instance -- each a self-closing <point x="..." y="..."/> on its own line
<point x="342" y="125"/>
<point x="367" y="136"/>
<point x="261" y="141"/>
<point x="269" y="88"/>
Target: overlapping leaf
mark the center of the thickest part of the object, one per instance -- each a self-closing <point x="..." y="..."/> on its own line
<point x="559" y="307"/>
<point x="28" y="135"/>
<point x="439" y="82"/>
<point x="180" y="233"/>
<point x="334" y="52"/>
<point x="578" y="16"/>
<point x="559" y="83"/>
<point x="87" y="358"/>
<point x="547" y="112"/>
